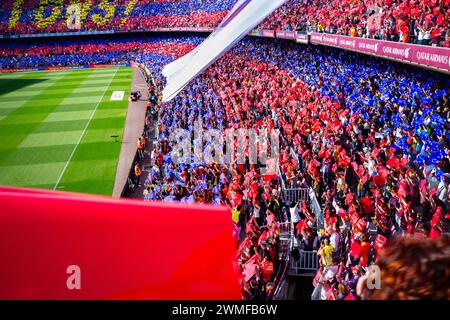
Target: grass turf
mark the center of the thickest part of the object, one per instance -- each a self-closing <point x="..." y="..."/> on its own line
<point x="43" y="116"/>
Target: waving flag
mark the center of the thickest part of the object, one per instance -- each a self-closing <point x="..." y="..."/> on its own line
<point x="245" y="15"/>
<point x="174" y="67"/>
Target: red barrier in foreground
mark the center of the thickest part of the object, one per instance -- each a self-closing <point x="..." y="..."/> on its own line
<point x="124" y="249"/>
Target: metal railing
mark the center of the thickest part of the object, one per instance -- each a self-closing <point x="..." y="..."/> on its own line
<point x="308" y="261"/>
<point x="306" y="265"/>
<point x="285" y="230"/>
<point x="295" y="195"/>
<point x="284" y="259"/>
<point x="311" y="198"/>
<point x="316" y="209"/>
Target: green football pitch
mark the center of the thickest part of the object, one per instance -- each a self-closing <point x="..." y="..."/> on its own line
<point x="56" y="128"/>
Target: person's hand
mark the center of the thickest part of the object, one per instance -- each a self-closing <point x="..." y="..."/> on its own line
<point x="361" y="286"/>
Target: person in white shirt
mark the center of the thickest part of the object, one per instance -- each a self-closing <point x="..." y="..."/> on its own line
<point x="334" y="238"/>
<point x="295" y="214"/>
<point x="443" y="189"/>
<point x="257" y="213"/>
<point x="420" y="35"/>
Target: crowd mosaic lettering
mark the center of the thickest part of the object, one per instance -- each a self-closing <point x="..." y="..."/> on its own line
<point x="74" y="14"/>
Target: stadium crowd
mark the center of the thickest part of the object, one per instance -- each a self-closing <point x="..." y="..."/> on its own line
<point x="370" y="136"/>
<point x="29" y="17"/>
<point x="423" y="22"/>
<point x="254" y="198"/>
<point x="25" y="55"/>
<point x="367" y="149"/>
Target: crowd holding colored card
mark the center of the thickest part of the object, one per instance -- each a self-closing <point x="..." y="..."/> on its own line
<point x="371" y="137"/>
<point x="423" y="22"/>
<point x="48" y="16"/>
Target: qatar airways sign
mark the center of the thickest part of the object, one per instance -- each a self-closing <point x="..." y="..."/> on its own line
<point x="433" y="57"/>
<point x="368" y="46"/>
<point x="323" y="38"/>
<point x="289" y="35"/>
<point x="268" y="33"/>
<point x="292" y="35"/>
<point x="302" y="38"/>
<point x="396" y="50"/>
<point x="438" y="57"/>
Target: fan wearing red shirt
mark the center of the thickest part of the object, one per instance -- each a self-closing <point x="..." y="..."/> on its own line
<point x="267" y="269"/>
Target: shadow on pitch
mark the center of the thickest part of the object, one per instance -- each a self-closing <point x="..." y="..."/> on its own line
<point x="10" y="85"/>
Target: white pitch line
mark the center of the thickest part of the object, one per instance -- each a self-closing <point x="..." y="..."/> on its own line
<point x="84" y="131"/>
